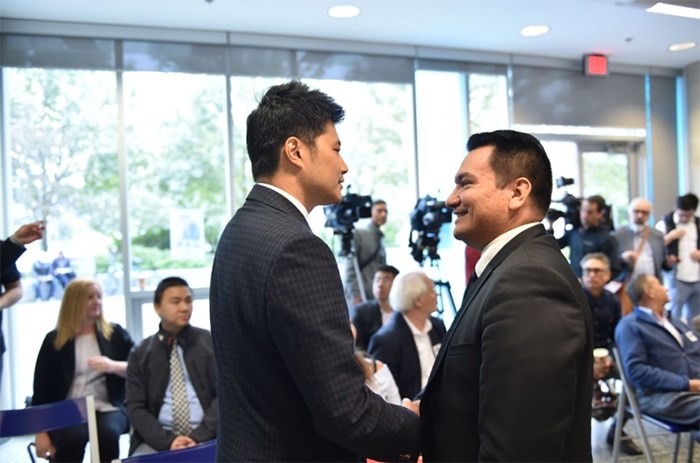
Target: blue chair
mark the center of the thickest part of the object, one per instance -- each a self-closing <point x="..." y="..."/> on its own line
<point x="48" y="417"/>
<point x="200" y="453"/>
<point x="628" y="394"/>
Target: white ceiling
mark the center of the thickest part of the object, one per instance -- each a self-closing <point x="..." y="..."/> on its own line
<point x="621" y="29"/>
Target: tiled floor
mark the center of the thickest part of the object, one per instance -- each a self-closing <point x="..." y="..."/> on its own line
<point x="15" y="449"/>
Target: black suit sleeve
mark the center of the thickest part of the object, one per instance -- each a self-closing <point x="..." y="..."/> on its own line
<point x="312" y="333"/>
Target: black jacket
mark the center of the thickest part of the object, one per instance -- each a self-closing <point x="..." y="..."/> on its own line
<point x="148" y="376"/>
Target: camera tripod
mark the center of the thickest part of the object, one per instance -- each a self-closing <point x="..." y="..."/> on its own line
<point x="442" y="288"/>
<point x="348" y="251"/>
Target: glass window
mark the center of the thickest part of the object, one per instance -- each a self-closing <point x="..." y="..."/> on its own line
<point x="63" y="168"/>
<point x="176" y="141"/>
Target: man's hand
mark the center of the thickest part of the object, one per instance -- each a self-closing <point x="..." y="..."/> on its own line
<point x="630" y="257"/>
<point x="695" y="255"/>
<point x="674" y="234"/>
<point x="28" y="233"/>
<point x="694" y="385"/>
<point x="182" y="442"/>
<point x="44" y="447"/>
<point x="413" y="406"/>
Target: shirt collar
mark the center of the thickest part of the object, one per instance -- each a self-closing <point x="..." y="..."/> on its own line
<point x="426" y="328"/>
<point x="291" y="199"/>
<point x="491" y="249"/>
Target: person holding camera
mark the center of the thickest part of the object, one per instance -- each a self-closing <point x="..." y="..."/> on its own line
<point x="369" y="251"/>
<point x="591" y="236"/>
<point x="288" y="381"/>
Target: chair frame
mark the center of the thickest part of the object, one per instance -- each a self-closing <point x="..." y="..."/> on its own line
<point x="628" y="395"/>
<point x="51" y="416"/>
<point x="200" y="453"/>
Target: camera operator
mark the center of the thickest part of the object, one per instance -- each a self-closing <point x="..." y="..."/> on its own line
<point x="370" y="253"/>
<point x="591" y="236"/>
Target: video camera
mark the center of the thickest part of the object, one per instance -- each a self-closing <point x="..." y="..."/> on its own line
<point x="426" y="219"/>
<point x="572" y="206"/>
<point x="572" y="209"/>
<point x="341" y="217"/>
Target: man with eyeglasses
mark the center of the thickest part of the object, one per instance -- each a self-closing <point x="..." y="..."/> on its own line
<point x="605" y="310"/>
<point x="641" y="247"/>
<point x="681" y="230"/>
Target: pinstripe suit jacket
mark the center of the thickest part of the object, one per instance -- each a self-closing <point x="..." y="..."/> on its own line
<point x="513" y="379"/>
<point x="288" y="383"/>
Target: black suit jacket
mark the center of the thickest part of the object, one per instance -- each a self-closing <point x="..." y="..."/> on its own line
<point x="148" y="376"/>
<point x="513" y="379"/>
<point x="367" y="318"/>
<point x="394" y="345"/>
<point x="289" y="385"/>
<point x="9" y="253"/>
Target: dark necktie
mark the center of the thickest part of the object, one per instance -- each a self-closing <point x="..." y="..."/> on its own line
<point x="181" y="409"/>
<point x="472" y="283"/>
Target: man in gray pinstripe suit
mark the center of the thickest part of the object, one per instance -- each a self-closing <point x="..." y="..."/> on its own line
<point x="288" y="383"/>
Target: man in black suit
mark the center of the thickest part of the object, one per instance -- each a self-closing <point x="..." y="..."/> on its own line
<point x="369" y="316"/>
<point x="409" y="342"/>
<point x="288" y="382"/>
<point x="513" y="379"/>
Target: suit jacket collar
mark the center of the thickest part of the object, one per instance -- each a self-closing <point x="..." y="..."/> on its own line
<point x="273" y="199"/>
<point x="527" y="235"/>
<point x="516" y="242"/>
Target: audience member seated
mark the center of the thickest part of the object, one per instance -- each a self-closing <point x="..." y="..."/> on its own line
<point x="409" y="342"/>
<point x="369" y="316"/>
<point x="378" y="377"/>
<point x="84" y="355"/>
<point x="170" y="384"/>
<point x="605" y="310"/>
<point x="593" y="235"/>
<point x="661" y="356"/>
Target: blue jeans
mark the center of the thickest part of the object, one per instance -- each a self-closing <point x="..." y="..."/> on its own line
<point x="685" y="299"/>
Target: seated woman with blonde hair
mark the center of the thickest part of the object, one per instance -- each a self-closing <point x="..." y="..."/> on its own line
<point x="84" y="355"/>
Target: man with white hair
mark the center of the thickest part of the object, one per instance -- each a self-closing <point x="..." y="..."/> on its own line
<point x="409" y="342"/>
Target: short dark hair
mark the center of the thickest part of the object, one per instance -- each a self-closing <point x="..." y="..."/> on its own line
<point x="287" y="110"/>
<point x="598" y="200"/>
<point x="378" y="201"/>
<point x="388" y="269"/>
<point x="635" y="290"/>
<point x="688" y="202"/>
<point x="166" y="283"/>
<point x="694" y="200"/>
<point x="517" y="154"/>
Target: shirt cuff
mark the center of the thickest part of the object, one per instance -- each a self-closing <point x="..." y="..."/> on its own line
<point x="17" y="242"/>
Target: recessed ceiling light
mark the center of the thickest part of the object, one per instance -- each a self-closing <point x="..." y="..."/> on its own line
<point x="534" y="31"/>
<point x="343" y="11"/>
<point x="675" y="10"/>
<point x="682" y="46"/>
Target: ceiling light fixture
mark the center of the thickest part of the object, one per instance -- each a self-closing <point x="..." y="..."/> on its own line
<point x="343" y="11"/>
<point x="675" y="10"/>
<point x="682" y="46"/>
<point x="534" y="31"/>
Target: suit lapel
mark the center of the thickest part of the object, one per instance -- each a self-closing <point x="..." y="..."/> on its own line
<point x="527" y="235"/>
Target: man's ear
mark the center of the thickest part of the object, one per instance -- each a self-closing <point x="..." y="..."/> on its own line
<point x="520" y="191"/>
<point x="292" y="150"/>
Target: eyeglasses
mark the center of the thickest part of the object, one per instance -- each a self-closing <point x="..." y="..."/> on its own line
<point x="594" y="271"/>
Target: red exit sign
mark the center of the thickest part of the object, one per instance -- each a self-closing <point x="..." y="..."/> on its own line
<point x="595" y="65"/>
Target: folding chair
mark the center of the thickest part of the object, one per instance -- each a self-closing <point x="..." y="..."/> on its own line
<point x="48" y="417"/>
<point x="200" y="453"/>
<point x="628" y="394"/>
